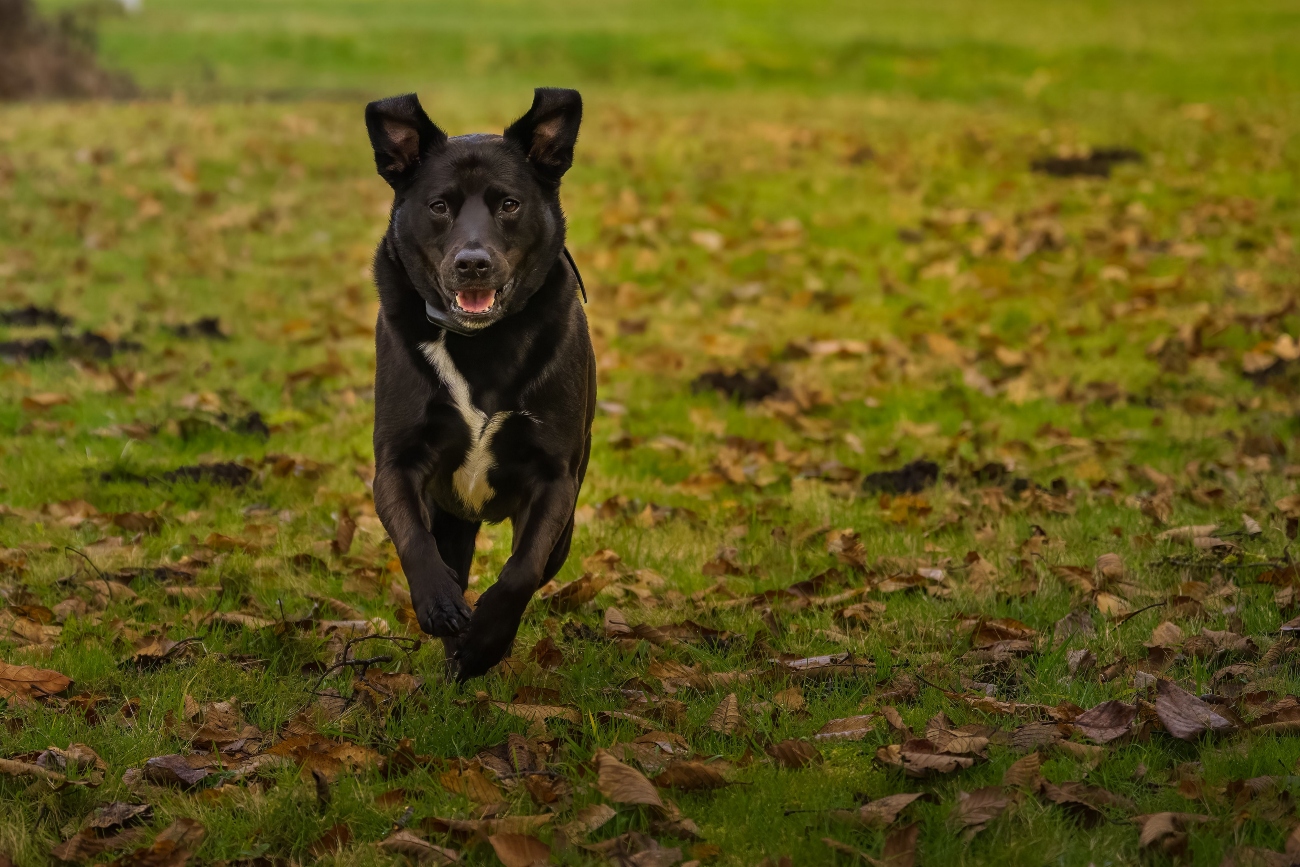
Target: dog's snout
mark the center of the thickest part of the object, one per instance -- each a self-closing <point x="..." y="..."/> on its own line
<point x="473" y="264"/>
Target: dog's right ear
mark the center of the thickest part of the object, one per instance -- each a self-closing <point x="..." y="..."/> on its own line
<point x="401" y="133"/>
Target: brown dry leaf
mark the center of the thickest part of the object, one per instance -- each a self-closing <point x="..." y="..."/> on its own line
<point x="343" y="533"/>
<point x="990" y="632"/>
<point x="171" y="848"/>
<point x="19" y="684"/>
<point x="539" y="712"/>
<point x="44" y="400"/>
<point x="690" y="777"/>
<point x="1184" y="715"/>
<point x="1107" y="721"/>
<point x="1166" y="829"/>
<point x="471" y="783"/>
<point x="726" y="716"/>
<point x="789" y="699"/>
<point x="623" y="784"/>
<point x="585" y="821"/>
<point x="918" y="757"/>
<point x="882" y="812"/>
<point x="575" y="594"/>
<point x="314" y="752"/>
<point x="1085" y="801"/>
<point x="853" y="728"/>
<point x="794" y="753"/>
<point x="547" y="654"/>
<point x="976" y="809"/>
<point x="476" y="829"/>
<point x="520" y="850"/>
<point x="173" y="770"/>
<point x="15" y="768"/>
<point x="615" y="623"/>
<point x="335" y="838"/>
<point x="117" y="814"/>
<point x="86" y="844"/>
<point x="1166" y="635"/>
<point x="900" y="846"/>
<point x="895" y="720"/>
<point x="1023" y="774"/>
<point x="422" y="851"/>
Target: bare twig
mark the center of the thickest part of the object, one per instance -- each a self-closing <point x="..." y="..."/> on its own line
<point x="1127" y="617"/>
<point x="82" y="554"/>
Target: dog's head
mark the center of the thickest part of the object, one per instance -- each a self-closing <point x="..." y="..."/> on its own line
<point x="476" y="218"/>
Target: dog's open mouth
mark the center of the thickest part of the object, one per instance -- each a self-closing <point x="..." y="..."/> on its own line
<point x="476" y="301"/>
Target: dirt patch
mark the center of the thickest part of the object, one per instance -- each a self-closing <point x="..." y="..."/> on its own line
<point x="49" y="59"/>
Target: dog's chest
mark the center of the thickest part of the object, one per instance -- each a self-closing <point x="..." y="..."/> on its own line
<point x="470" y="479"/>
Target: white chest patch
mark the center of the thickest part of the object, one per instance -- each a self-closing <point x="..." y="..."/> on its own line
<point x="470" y="479"/>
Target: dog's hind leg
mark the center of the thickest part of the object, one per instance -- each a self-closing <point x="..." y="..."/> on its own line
<point x="455" y="538"/>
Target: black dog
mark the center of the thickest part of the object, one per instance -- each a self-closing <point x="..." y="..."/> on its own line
<point x="485" y="379"/>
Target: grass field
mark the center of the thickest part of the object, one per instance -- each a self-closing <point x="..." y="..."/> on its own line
<point x="1104" y="369"/>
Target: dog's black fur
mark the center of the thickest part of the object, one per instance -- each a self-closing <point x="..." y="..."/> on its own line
<point x="480" y="414"/>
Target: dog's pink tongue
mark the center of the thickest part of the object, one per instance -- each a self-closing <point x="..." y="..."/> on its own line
<point x="476" y="302"/>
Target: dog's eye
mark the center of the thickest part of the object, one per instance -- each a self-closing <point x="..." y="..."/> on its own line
<point x="439" y="207"/>
<point x="509" y="206"/>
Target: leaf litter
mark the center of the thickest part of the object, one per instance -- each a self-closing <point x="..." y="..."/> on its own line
<point x="1172" y="625"/>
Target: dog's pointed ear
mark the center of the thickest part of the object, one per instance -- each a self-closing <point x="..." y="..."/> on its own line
<point x="549" y="131"/>
<point x="401" y="133"/>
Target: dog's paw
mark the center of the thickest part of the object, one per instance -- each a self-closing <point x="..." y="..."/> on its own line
<point x="441" y="612"/>
<point x="490" y="634"/>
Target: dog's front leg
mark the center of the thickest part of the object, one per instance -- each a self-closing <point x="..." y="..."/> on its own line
<point x="496" y="616"/>
<point x="436" y="592"/>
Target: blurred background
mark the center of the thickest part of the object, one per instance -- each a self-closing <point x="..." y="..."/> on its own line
<point x="1056" y="54"/>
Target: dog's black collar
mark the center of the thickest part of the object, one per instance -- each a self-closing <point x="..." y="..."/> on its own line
<point x="441" y="319"/>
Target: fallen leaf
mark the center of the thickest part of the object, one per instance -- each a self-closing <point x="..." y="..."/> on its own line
<point x="173" y="770"/>
<point x="407" y="843"/>
<point x="794" y="753"/>
<point x="853" y="728"/>
<point x="171" y="848"/>
<point x="118" y="814"/>
<point x="918" y="757"/>
<point x="1107" y="721"/>
<point x="974" y="810"/>
<point x="882" y="812"/>
<point x="789" y="699"/>
<point x="1024" y="773"/>
<point x="900" y="846"/>
<point x="1184" y="715"/>
<point x="519" y="850"/>
<point x="690" y="776"/>
<point x="539" y="712"/>
<point x="88" y="843"/>
<point x="44" y="400"/>
<point x="335" y="838"/>
<point x="623" y="784"/>
<point x="585" y="821"/>
<point x="547" y="654"/>
<point x="1166" y="829"/>
<point x="575" y="594"/>
<point x="1085" y="801"/>
<point x="726" y="716"/>
<point x="471" y="783"/>
<point x="21" y="683"/>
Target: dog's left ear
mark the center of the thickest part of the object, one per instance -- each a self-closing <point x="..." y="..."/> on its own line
<point x="549" y="131"/>
<point x="401" y="133"/>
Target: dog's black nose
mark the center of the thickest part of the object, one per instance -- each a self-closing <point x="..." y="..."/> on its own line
<point x="471" y="264"/>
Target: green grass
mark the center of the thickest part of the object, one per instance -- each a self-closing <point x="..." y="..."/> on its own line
<point x="1013" y="50"/>
<point x="858" y="197"/>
